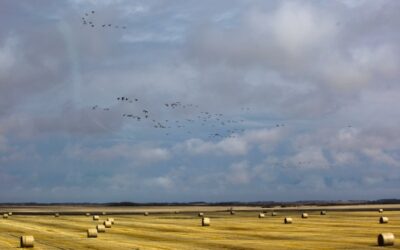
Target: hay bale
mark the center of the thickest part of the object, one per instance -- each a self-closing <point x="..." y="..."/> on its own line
<point x="96" y="217"/>
<point x="386" y="239"/>
<point x="92" y="233"/>
<point x="107" y="224"/>
<point x="56" y="215"/>
<point x="201" y="214"/>
<point x="380" y="210"/>
<point x="5" y="216"/>
<point x="87" y="214"/>
<point x="261" y="215"/>
<point x="288" y="220"/>
<point x="205" y="222"/>
<point x="232" y="212"/>
<point x="274" y="214"/>
<point x="10" y="213"/>
<point x="101" y="228"/>
<point x="27" y="241"/>
<point x="304" y="215"/>
<point x="383" y="220"/>
<point x="111" y="219"/>
<point x="323" y="213"/>
<point x="146" y="213"/>
<point x="103" y="213"/>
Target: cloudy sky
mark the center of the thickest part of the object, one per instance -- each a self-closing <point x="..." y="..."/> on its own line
<point x="273" y="100"/>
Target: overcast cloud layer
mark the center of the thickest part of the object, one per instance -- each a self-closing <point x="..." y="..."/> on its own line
<point x="308" y="92"/>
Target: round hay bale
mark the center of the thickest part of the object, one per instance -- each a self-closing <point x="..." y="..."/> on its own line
<point x="201" y="214"/>
<point x="383" y="220"/>
<point x="103" y="213"/>
<point x="101" y="228"/>
<point x="92" y="233"/>
<point x="261" y="215"/>
<point x="205" y="222"/>
<point x="146" y="213"/>
<point x="274" y="214"/>
<point x="27" y="241"/>
<point x="5" y="216"/>
<point x="10" y="213"/>
<point x="288" y="220"/>
<point x="56" y="215"/>
<point x="107" y="224"/>
<point x="386" y="239"/>
<point x="323" y="213"/>
<point x="304" y="215"/>
<point x="380" y="210"/>
<point x="232" y="212"/>
<point x="96" y="217"/>
<point x="87" y="214"/>
<point x="111" y="219"/>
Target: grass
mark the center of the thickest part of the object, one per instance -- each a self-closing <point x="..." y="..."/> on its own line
<point x="244" y="230"/>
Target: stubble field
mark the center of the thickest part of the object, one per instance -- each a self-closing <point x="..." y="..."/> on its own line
<point x="244" y="230"/>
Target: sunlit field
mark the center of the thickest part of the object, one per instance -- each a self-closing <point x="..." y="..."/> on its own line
<point x="244" y="230"/>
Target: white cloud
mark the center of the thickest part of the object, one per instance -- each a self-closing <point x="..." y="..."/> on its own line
<point x="356" y="3"/>
<point x="151" y="38"/>
<point x="239" y="145"/>
<point x="298" y="29"/>
<point x="344" y="158"/>
<point x="137" y="154"/>
<point x="372" y="180"/>
<point x="360" y="66"/>
<point x="96" y="3"/>
<point x="265" y="139"/>
<point x="3" y="143"/>
<point x="308" y="158"/>
<point x="8" y="54"/>
<point x="163" y="182"/>
<point x="378" y="155"/>
<point x="313" y="183"/>
<point x="229" y="146"/>
<point x="134" y="9"/>
<point x="239" y="173"/>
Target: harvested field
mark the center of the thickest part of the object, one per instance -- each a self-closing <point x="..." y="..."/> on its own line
<point x="336" y="230"/>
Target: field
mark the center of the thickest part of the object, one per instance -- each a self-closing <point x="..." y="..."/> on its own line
<point x="244" y="230"/>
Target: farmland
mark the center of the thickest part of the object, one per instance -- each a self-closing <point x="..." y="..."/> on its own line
<point x="165" y="229"/>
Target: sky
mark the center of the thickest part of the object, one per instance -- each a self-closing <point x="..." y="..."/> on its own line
<point x="227" y="100"/>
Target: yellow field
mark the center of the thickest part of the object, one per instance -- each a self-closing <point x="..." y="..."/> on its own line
<point x="244" y="230"/>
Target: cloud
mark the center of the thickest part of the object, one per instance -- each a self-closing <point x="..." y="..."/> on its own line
<point x="238" y="173"/>
<point x="8" y="54"/>
<point x="310" y="47"/>
<point x="136" y="154"/>
<point x="161" y="182"/>
<point x="230" y="146"/>
<point x="309" y="158"/>
<point x="70" y="120"/>
<point x="3" y="143"/>
<point x="378" y="155"/>
<point x="331" y="77"/>
<point x="238" y="145"/>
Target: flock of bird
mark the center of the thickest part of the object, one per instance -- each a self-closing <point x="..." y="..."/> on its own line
<point x="218" y="125"/>
<point x="88" y="19"/>
<point x="177" y="118"/>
